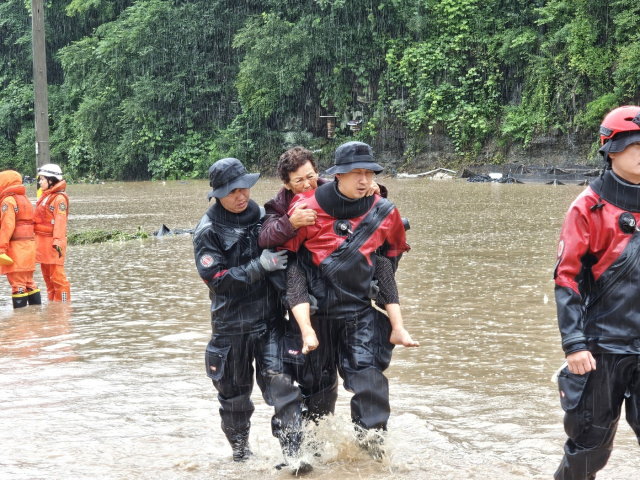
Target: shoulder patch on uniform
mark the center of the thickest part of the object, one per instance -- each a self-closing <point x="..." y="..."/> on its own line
<point x="560" y="248"/>
<point x="62" y="207"/>
<point x="206" y="260"/>
<point x="51" y="208"/>
<point x="5" y="207"/>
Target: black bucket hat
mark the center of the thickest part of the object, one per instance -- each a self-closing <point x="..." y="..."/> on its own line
<point x="227" y="174"/>
<point x="352" y="155"/>
<point x="620" y="141"/>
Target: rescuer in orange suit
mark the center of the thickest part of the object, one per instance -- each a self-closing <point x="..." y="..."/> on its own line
<point x="17" y="241"/>
<point x="50" y="225"/>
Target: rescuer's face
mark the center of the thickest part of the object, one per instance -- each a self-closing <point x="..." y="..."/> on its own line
<point x="44" y="183"/>
<point x="237" y="201"/>
<point x="626" y="164"/>
<point x="356" y="183"/>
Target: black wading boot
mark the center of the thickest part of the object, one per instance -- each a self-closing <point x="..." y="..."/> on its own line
<point x="34" y="297"/>
<point x="372" y="441"/>
<point x="239" y="441"/>
<point x="291" y="444"/>
<point x="19" y="300"/>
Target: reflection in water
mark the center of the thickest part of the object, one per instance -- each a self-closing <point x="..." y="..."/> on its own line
<point x="114" y="387"/>
<point x="42" y="333"/>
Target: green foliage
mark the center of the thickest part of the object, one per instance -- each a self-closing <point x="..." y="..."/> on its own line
<point x="7" y="154"/>
<point x="595" y="111"/>
<point x="572" y="69"/>
<point x="147" y="90"/>
<point x="278" y="56"/>
<point x="453" y="78"/>
<point x="191" y="159"/>
<point x="25" y="142"/>
<point x="88" y="237"/>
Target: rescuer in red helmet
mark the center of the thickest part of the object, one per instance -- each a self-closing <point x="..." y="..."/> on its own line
<point x="597" y="291"/>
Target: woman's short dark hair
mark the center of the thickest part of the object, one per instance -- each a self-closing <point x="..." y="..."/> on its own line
<point x="292" y="160"/>
<point x="52" y="181"/>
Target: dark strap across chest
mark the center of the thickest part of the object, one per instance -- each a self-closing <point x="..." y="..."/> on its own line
<point x="352" y="244"/>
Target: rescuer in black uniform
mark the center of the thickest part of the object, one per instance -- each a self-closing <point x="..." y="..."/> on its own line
<point x="246" y="318"/>
<point x="598" y="298"/>
<point x="338" y="257"/>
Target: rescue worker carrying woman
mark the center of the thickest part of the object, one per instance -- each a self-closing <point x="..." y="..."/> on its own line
<point x="338" y="257"/>
<point x="17" y="241"/>
<point x="598" y="299"/>
<point x="50" y="225"/>
<point x="247" y="319"/>
<point x="316" y="375"/>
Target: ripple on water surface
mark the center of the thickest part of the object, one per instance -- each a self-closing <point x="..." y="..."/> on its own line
<point x="114" y="386"/>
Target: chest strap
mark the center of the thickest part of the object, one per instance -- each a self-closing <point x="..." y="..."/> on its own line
<point x="352" y="244"/>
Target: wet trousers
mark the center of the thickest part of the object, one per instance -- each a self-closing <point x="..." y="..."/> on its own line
<point x="592" y="404"/>
<point x="58" y="287"/>
<point x="229" y="362"/>
<point x="316" y="372"/>
<point x="359" y="347"/>
<point x="21" y="283"/>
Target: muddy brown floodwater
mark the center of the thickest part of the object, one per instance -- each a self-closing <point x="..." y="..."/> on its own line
<point x="115" y="386"/>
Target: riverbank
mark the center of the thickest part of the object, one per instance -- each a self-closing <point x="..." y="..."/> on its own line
<point x="438" y="151"/>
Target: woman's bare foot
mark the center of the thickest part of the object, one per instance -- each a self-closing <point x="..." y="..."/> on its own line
<point x="402" y="337"/>
<point x="310" y="342"/>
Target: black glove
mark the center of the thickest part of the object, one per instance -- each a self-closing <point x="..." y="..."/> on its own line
<point x="272" y="261"/>
<point x="58" y="249"/>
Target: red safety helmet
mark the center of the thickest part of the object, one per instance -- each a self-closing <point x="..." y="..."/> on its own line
<point x="619" y="120"/>
<point x="619" y="129"/>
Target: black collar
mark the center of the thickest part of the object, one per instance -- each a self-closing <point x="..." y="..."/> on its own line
<point x="618" y="192"/>
<point x="337" y="205"/>
<point x="250" y="216"/>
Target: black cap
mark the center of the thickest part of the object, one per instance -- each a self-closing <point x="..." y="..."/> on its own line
<point x="620" y="141"/>
<point x="352" y="155"/>
<point x="227" y="174"/>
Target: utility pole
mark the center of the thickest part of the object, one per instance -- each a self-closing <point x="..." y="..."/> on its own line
<point x="41" y="102"/>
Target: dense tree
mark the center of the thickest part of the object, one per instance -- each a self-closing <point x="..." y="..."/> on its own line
<point x="161" y="88"/>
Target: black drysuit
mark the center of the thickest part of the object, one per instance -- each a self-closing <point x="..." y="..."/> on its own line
<point x="338" y="256"/>
<point x="247" y="323"/>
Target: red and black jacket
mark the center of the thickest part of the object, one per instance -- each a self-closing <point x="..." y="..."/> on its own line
<point x="597" y="274"/>
<point x="276" y="227"/>
<point x="342" y="285"/>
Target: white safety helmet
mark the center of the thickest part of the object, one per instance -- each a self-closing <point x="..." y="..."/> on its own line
<point x="50" y="170"/>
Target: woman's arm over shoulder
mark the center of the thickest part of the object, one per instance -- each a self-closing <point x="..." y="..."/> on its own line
<point x="276" y="227"/>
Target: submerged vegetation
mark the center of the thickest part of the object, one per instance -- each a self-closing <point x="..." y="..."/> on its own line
<point x="87" y="237"/>
<point x="162" y="88"/>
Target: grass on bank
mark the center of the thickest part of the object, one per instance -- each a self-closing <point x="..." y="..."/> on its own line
<point x="88" y="237"/>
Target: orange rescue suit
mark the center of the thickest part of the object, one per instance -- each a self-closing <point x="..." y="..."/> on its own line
<point x="50" y="224"/>
<point x="16" y="220"/>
